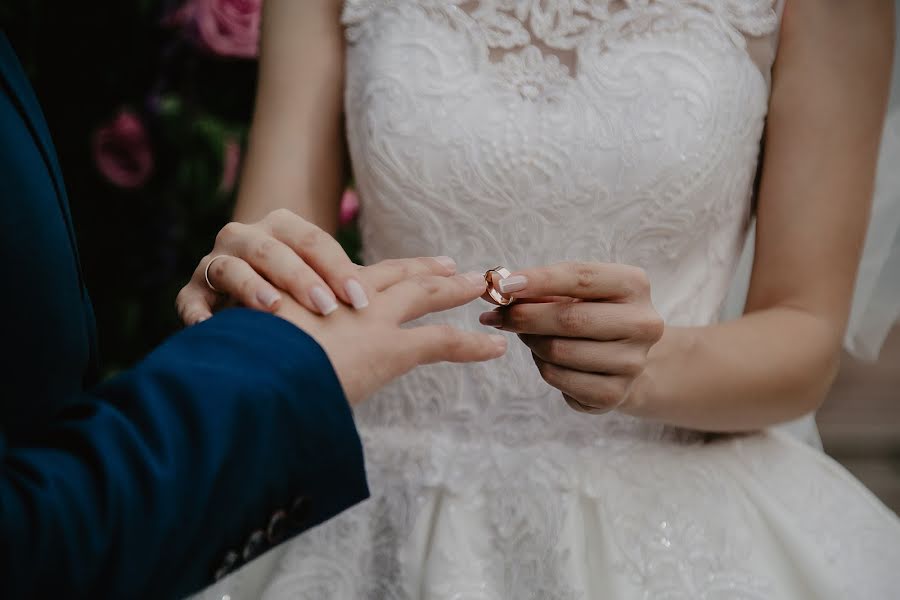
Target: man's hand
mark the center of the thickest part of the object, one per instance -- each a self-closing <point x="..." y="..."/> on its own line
<point x="369" y="348"/>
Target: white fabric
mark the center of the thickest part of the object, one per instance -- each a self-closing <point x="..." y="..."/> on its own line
<point x="522" y="133"/>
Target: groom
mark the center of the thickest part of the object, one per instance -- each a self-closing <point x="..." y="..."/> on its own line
<point x="231" y="437"/>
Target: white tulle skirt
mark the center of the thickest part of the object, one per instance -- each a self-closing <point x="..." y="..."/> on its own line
<point x="760" y="516"/>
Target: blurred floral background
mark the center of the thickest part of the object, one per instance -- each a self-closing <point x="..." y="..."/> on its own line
<point x="149" y="103"/>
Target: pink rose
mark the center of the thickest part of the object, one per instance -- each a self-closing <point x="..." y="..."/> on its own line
<point x="122" y="151"/>
<point x="231" y="161"/>
<point x="349" y="207"/>
<point x="228" y="27"/>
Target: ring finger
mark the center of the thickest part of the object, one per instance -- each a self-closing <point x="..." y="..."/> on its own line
<point x="233" y="277"/>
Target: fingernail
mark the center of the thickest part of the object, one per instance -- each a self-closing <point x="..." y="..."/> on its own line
<point x="447" y="262"/>
<point x="491" y="319"/>
<point x="323" y="300"/>
<point x="357" y="294"/>
<point x="475" y="278"/>
<point x="268" y="297"/>
<point x="513" y="284"/>
<point x="499" y="342"/>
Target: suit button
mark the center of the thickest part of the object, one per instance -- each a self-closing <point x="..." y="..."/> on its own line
<point x="277" y="528"/>
<point x="228" y="564"/>
<point x="300" y="510"/>
<point x="254" y="545"/>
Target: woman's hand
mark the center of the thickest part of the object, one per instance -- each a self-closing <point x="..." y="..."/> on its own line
<point x="251" y="263"/>
<point x="592" y="342"/>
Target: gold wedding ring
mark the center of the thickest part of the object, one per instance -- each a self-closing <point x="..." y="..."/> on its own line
<point x="493" y="277"/>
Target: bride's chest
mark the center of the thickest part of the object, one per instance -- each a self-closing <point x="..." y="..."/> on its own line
<point x="548" y="91"/>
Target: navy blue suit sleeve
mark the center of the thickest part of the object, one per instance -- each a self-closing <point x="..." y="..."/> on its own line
<point x="142" y="486"/>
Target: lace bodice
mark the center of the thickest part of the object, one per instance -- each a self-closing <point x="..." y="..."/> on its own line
<point x="527" y="132"/>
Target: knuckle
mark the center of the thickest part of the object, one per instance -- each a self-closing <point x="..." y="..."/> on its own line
<point x="558" y="350"/>
<point x="584" y="275"/>
<point x="228" y="233"/>
<point x="428" y="284"/>
<point x="571" y="319"/>
<point x="280" y="214"/>
<point x="264" y="249"/>
<point x="632" y="364"/>
<point x="651" y="326"/>
<point x="311" y="237"/>
<point x="514" y="317"/>
<point x="637" y="281"/>
<point x="402" y="268"/>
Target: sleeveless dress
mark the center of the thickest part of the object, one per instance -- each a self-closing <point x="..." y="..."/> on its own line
<point x="528" y="132"/>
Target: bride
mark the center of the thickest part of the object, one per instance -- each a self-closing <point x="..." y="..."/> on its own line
<point x="615" y="151"/>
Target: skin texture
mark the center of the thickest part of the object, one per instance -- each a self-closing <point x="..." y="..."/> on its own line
<point x="604" y="350"/>
<point x="404" y="290"/>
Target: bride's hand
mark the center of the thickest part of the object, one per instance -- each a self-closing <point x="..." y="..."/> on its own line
<point x="593" y="344"/>
<point x="251" y="263"/>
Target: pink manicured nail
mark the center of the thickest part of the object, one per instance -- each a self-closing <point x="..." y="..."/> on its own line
<point x="447" y="262"/>
<point x="323" y="300"/>
<point x="268" y="297"/>
<point x="475" y="278"/>
<point x="513" y="284"/>
<point x="356" y="293"/>
<point x="491" y="319"/>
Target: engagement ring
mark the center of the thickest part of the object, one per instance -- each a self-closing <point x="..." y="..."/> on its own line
<point x="493" y="277"/>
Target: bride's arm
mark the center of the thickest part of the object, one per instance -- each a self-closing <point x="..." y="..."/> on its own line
<point x="296" y="155"/>
<point x="777" y="361"/>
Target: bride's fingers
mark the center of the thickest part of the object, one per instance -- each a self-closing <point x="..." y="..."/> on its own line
<point x="590" y="281"/>
<point x="195" y="302"/>
<point x="595" y="320"/>
<point x="600" y="392"/>
<point x="440" y="343"/>
<point x="323" y="254"/>
<point x="281" y="265"/>
<point x="389" y="272"/>
<point x="424" y="294"/>
<point x="611" y="358"/>
<point x="235" y="278"/>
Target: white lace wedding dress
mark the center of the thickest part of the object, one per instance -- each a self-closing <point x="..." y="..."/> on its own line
<point x="527" y="132"/>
